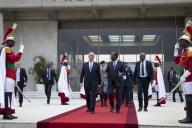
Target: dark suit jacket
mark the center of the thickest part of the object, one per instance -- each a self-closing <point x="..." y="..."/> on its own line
<point x="115" y="74"/>
<point x="93" y="77"/>
<point x="23" y="77"/>
<point x="149" y="70"/>
<point x="129" y="76"/>
<point x="52" y="74"/>
<point x="169" y="75"/>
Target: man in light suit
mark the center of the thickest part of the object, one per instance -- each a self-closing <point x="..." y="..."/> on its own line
<point x="90" y="74"/>
<point x="115" y="70"/>
<point x="142" y="76"/>
<point x="21" y="80"/>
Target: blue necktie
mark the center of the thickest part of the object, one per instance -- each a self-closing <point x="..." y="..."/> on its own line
<point x="142" y="68"/>
<point x="90" y="66"/>
<point x="49" y="74"/>
<point x="114" y="65"/>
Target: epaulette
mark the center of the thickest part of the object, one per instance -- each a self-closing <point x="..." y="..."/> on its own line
<point x="7" y="50"/>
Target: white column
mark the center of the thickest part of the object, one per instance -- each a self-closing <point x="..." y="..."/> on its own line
<point x="1" y="27"/>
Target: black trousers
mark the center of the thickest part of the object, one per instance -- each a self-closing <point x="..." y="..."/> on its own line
<point x="170" y="86"/>
<point x="113" y="87"/>
<point x="188" y="98"/>
<point x="143" y="85"/>
<point x="8" y="99"/>
<point x="180" y="95"/>
<point x="126" y="93"/>
<point x="21" y="86"/>
<point x="48" y="88"/>
<point x="90" y="91"/>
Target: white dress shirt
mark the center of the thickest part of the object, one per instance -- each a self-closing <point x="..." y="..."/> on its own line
<point x="18" y="75"/>
<point x="145" y="70"/>
<point x="90" y="66"/>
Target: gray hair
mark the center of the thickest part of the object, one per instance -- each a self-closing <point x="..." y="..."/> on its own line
<point x="91" y="53"/>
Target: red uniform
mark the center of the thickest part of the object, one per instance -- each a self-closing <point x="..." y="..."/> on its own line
<point x="11" y="58"/>
<point x="185" y="60"/>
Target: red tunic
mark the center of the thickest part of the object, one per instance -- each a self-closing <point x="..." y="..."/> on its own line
<point x="11" y="58"/>
<point x="185" y="60"/>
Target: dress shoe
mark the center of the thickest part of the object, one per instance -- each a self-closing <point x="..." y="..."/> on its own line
<point x="145" y="109"/>
<point x="88" y="110"/>
<point x="186" y="120"/>
<point x="14" y="117"/>
<point x="157" y="105"/>
<point x="92" y="112"/>
<point x="111" y="110"/>
<point x="7" y="117"/>
<point x="174" y="100"/>
<point x="117" y="111"/>
<point x="140" y="109"/>
<point x="20" y="105"/>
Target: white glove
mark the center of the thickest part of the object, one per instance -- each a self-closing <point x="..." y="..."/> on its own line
<point x="21" y="48"/>
<point x="184" y="76"/>
<point x="176" y="51"/>
<point x="177" y="45"/>
<point x="14" y="26"/>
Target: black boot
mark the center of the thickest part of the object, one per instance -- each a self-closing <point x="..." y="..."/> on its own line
<point x="188" y="118"/>
<point x="13" y="117"/>
<point x="7" y="117"/>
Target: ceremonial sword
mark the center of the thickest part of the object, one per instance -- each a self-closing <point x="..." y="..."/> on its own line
<point x="179" y="84"/>
<point x="22" y="93"/>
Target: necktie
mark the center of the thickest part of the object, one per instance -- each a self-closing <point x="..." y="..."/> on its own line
<point x="102" y="70"/>
<point x="114" y="65"/>
<point x="48" y="74"/>
<point x="90" y="66"/>
<point x="142" y="68"/>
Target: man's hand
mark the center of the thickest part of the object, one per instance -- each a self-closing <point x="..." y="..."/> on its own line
<point x="134" y="83"/>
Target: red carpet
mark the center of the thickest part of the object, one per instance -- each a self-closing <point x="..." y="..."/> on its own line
<point x="102" y="118"/>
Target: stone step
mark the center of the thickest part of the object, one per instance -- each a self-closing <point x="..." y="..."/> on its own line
<point x="75" y="95"/>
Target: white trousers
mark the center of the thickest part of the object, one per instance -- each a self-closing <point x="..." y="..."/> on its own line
<point x="9" y="85"/>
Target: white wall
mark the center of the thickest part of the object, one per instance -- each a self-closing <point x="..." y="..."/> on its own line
<point x="39" y="38"/>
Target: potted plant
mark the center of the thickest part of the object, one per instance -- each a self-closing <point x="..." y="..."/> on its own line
<point x="40" y="63"/>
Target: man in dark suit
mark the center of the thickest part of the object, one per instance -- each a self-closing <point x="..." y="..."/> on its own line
<point x="21" y="80"/>
<point x="170" y="75"/>
<point x="90" y="74"/>
<point x="115" y="70"/>
<point x="142" y="76"/>
<point x="127" y="86"/>
<point x="48" y="77"/>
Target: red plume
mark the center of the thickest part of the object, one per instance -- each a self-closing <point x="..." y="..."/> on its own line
<point x="158" y="59"/>
<point x="7" y="32"/>
<point x="64" y="56"/>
